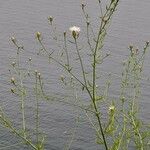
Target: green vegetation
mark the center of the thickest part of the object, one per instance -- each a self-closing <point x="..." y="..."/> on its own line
<point x="122" y="127"/>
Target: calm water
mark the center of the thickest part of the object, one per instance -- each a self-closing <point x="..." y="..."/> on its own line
<point x="22" y="18"/>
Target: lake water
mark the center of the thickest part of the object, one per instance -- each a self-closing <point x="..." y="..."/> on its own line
<point x="22" y="19"/>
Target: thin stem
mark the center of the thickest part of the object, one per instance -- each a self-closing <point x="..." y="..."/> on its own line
<point x="100" y="5"/>
<point x="8" y="125"/>
<point x="66" y="51"/>
<point x="37" y="111"/>
<point x="81" y="63"/>
<point x="23" y="107"/>
<point x="22" y="93"/>
<point x="99" y="40"/>
<point x="63" y="66"/>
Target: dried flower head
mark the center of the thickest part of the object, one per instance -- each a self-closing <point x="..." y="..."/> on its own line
<point x="75" y="31"/>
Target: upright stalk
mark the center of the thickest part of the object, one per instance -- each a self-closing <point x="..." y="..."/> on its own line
<point x="66" y="51"/>
<point x="81" y="63"/>
<point x="22" y="92"/>
<point x="37" y="109"/>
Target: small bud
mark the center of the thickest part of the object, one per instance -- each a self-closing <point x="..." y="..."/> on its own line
<point x="13" y="64"/>
<point x="36" y="72"/>
<point x="12" y="80"/>
<point x="105" y="19"/>
<point x="30" y="59"/>
<point x="83" y="5"/>
<point x="88" y="23"/>
<point x="13" y="39"/>
<point x="74" y="34"/>
<point x="39" y="74"/>
<point x="64" y="33"/>
<point x="50" y="18"/>
<point x="111" y="108"/>
<point x="147" y="43"/>
<point x="38" y="35"/>
<point x="123" y="99"/>
<point x="107" y="54"/>
<point x="130" y="47"/>
<point x="62" y="78"/>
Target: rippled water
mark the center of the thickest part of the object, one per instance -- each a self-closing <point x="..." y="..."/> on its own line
<point x="22" y="18"/>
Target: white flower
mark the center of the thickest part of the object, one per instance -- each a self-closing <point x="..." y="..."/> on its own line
<point x="75" y="31"/>
<point x="75" y="28"/>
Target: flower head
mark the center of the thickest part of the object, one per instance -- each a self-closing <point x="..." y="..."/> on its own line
<point x="75" y="31"/>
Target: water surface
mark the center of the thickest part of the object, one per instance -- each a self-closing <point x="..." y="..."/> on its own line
<point x="22" y="19"/>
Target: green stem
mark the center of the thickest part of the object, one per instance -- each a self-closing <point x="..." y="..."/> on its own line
<point x="8" y="125"/>
<point x="66" y="51"/>
<point x="22" y="94"/>
<point x="37" y="111"/>
<point x="81" y="63"/>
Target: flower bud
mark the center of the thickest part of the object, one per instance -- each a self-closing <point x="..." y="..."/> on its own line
<point x="131" y="47"/>
<point x="64" y="33"/>
<point x="36" y="72"/>
<point x="39" y="75"/>
<point x="38" y="35"/>
<point x="82" y="6"/>
<point x="50" y="18"/>
<point x="62" y="78"/>
<point x="30" y="59"/>
<point x="147" y="43"/>
<point x="13" y="64"/>
<point x="12" y="80"/>
<point x="88" y="23"/>
<point x="111" y="108"/>
<point x="13" y="39"/>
